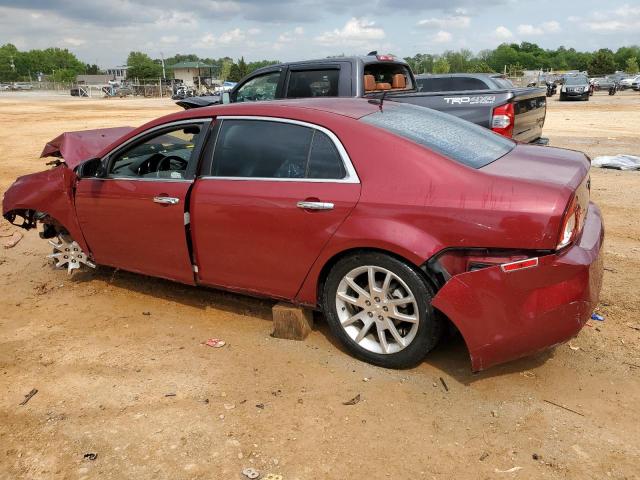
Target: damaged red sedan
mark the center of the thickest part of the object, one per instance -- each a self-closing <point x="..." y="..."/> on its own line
<point x="391" y="219"/>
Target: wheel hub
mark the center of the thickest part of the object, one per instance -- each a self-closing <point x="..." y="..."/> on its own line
<point x="377" y="309"/>
<point x="67" y="253"/>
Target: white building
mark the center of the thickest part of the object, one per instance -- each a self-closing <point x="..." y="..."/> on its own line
<point x="119" y="74"/>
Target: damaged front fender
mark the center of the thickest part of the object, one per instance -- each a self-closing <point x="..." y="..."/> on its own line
<point x="43" y="195"/>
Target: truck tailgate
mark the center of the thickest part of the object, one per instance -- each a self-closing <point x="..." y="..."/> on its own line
<point x="530" y="109"/>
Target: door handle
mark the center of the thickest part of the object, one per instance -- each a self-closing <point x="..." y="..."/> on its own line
<point x="306" y="205"/>
<point x="166" y="200"/>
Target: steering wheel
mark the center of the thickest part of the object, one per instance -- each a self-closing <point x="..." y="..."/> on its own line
<point x="183" y="163"/>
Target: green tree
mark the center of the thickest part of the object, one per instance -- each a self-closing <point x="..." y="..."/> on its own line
<point x="441" y="65"/>
<point x="238" y="70"/>
<point x="632" y="65"/>
<point x="142" y="67"/>
<point x="602" y="62"/>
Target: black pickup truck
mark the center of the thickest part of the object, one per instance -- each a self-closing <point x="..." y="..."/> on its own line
<point x="518" y="113"/>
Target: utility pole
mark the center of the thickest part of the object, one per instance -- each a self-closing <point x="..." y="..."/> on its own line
<point x="164" y="74"/>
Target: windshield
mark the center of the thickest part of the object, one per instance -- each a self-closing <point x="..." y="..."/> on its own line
<point x="575" y="80"/>
<point x="450" y="136"/>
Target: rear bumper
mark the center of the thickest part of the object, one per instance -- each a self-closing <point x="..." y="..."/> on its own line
<point x="504" y="316"/>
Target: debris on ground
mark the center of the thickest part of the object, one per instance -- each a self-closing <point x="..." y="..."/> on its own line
<point x="273" y="476"/>
<point x="353" y="401"/>
<point x="634" y="327"/>
<point x="13" y="240"/>
<point x="563" y="407"/>
<point x="573" y="347"/>
<point x="260" y="405"/>
<point x="444" y="384"/>
<point x="617" y="162"/>
<point x="483" y="457"/>
<point x="215" y="343"/>
<point x="535" y="456"/>
<point x="169" y="394"/>
<point x="511" y="470"/>
<point x="595" y="316"/>
<point x="146" y="313"/>
<point x="250" y="473"/>
<point x="28" y="396"/>
<point x="631" y="364"/>
<point x="90" y="456"/>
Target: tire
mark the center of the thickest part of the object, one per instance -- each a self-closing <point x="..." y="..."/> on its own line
<point x="367" y="331"/>
<point x="562" y="98"/>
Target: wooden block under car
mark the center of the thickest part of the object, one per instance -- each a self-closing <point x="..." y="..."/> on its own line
<point x="291" y="322"/>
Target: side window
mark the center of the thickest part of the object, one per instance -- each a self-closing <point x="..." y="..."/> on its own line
<point x="313" y="83"/>
<point x="263" y="149"/>
<point x="324" y="159"/>
<point x="268" y="149"/>
<point x="259" y="88"/>
<point x="164" y="156"/>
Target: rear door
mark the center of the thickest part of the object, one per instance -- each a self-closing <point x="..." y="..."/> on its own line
<point x="133" y="217"/>
<point x="273" y="193"/>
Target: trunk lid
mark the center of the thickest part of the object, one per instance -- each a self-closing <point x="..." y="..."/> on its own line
<point x="530" y="109"/>
<point x="555" y="166"/>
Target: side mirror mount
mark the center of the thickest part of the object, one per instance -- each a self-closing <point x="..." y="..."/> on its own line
<point x="91" y="168"/>
<point x="226" y="98"/>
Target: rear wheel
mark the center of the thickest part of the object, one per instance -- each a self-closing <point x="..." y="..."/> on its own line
<point x="380" y="308"/>
<point x="562" y="97"/>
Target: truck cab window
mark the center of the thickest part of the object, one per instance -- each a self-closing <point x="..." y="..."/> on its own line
<point x="313" y="83"/>
<point x="259" y="88"/>
<point x="386" y="76"/>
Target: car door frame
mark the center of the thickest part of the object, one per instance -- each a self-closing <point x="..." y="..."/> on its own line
<point x="107" y="160"/>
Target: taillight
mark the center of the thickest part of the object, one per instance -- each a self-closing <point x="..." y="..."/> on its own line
<point x="503" y="120"/>
<point x="385" y="58"/>
<point x="570" y="224"/>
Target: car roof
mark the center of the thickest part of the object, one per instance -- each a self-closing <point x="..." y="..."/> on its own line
<point x="348" y="107"/>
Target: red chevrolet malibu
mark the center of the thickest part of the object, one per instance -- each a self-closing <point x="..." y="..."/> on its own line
<point x="391" y="219"/>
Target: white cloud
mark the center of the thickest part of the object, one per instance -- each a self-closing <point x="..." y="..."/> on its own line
<point x="441" y="37"/>
<point x="546" y="27"/>
<point x="76" y="42"/>
<point x="356" y="32"/>
<point x="169" y="39"/>
<point x="298" y="31"/>
<point x="254" y="31"/>
<point x="551" y="26"/>
<point x="225" y="38"/>
<point x="288" y="37"/>
<point x="450" y="21"/>
<point x="502" y="33"/>
<point x="623" y="19"/>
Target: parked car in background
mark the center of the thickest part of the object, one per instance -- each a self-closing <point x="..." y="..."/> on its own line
<point x="575" y="86"/>
<point x="486" y="100"/>
<point x="636" y="84"/>
<point x="385" y="216"/>
<point x="22" y="86"/>
<point x="5" y="87"/>
<point x="628" y="82"/>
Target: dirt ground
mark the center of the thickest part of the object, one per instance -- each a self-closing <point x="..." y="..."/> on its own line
<point x="120" y="370"/>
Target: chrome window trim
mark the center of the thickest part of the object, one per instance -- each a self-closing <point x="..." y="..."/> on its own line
<point x="351" y="176"/>
<point x="144" y="133"/>
<point x="135" y="179"/>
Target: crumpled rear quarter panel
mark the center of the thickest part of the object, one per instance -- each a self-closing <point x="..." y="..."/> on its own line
<point x="504" y="316"/>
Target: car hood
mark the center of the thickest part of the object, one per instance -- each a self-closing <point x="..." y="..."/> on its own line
<point x="76" y="147"/>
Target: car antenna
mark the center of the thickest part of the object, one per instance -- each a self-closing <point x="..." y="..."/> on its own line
<point x="378" y="100"/>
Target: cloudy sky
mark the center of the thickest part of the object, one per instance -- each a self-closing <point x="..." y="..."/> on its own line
<point x="104" y="31"/>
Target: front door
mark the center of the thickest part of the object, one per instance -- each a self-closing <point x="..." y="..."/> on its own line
<point x="133" y="217"/>
<point x="273" y="196"/>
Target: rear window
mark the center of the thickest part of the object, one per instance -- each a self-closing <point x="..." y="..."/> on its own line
<point x="379" y="77"/>
<point x="462" y="141"/>
<point x="313" y="83"/>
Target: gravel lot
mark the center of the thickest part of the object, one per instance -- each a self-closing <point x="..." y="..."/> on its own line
<point x="142" y="393"/>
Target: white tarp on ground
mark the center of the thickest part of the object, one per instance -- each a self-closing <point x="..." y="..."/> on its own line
<point x="618" y="162"/>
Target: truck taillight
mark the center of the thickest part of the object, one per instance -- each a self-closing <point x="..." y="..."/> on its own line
<point x="503" y="120"/>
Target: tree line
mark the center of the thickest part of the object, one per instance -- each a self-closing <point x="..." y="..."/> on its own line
<point x="61" y="65"/>
<point x="514" y="58"/>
